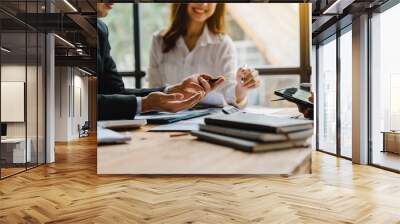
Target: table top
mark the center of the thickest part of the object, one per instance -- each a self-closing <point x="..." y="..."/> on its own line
<point x="160" y="153"/>
<point x="391" y="132"/>
<point x="13" y="140"/>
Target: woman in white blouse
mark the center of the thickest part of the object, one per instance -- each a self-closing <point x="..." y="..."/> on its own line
<point x="195" y="42"/>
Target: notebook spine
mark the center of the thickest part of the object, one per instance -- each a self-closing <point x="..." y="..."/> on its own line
<point x="246" y="126"/>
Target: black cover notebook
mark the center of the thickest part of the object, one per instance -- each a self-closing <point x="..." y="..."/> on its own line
<point x="257" y="135"/>
<point x="247" y="145"/>
<point x="259" y="122"/>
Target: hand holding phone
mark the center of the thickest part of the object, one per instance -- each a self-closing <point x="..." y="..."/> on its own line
<point x="296" y="95"/>
<point x="303" y="99"/>
<point x="210" y="83"/>
<point x="214" y="80"/>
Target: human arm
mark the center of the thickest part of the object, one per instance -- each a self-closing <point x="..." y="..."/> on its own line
<point x="246" y="79"/>
<point x="121" y="107"/>
<point x="178" y="97"/>
<point x="237" y="82"/>
<point x="154" y="76"/>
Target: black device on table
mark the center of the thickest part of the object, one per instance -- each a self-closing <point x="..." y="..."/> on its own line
<point x="296" y="95"/>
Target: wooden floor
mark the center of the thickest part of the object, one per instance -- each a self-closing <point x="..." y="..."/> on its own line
<point x="71" y="192"/>
<point x="387" y="159"/>
<point x="5" y="172"/>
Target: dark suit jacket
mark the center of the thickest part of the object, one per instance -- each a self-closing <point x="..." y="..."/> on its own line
<point x="114" y="102"/>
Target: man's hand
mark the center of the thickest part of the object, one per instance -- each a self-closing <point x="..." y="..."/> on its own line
<point x="307" y="112"/>
<point x="197" y="83"/>
<point x="158" y="101"/>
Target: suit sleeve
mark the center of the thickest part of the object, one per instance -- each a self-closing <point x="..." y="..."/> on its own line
<point x="121" y="106"/>
<point x="116" y="107"/>
<point x="114" y="101"/>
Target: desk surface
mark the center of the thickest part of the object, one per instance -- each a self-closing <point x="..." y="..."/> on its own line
<point x="158" y="153"/>
<point x="13" y="140"/>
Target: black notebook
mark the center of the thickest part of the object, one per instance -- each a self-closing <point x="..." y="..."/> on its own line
<point x="259" y="122"/>
<point x="257" y="135"/>
<point x="247" y="145"/>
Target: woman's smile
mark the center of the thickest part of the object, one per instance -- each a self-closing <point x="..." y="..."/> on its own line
<point x="199" y="10"/>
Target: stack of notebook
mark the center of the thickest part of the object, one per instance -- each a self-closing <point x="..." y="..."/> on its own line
<point x="255" y="132"/>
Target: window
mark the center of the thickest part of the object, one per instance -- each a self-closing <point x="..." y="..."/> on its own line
<point x="121" y="36"/>
<point x="334" y="106"/>
<point x="385" y="84"/>
<point x="265" y="34"/>
<point x="121" y="39"/>
<point x="346" y="94"/>
<point x="153" y="18"/>
<point x="22" y="106"/>
<point x="326" y="94"/>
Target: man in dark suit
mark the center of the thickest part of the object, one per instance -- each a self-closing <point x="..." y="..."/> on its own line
<point x="115" y="102"/>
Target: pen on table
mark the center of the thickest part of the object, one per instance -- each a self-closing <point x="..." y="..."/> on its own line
<point x="278" y="99"/>
<point x="178" y="134"/>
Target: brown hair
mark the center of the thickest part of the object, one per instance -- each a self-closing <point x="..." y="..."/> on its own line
<point x="179" y="21"/>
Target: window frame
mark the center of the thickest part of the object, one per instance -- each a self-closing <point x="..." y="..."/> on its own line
<point x="339" y="32"/>
<point x="381" y="9"/>
<point x="333" y="37"/>
<point x="28" y="29"/>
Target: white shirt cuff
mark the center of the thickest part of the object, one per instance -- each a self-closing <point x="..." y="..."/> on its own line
<point x="231" y="98"/>
<point x="241" y="104"/>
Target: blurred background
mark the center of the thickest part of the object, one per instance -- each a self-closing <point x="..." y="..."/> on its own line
<point x="265" y="36"/>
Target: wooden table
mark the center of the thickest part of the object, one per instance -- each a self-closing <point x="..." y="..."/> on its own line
<point x="161" y="154"/>
<point x="391" y="141"/>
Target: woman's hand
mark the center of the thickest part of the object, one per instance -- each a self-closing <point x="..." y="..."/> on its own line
<point x="247" y="79"/>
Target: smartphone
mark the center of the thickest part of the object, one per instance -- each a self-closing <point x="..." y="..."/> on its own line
<point x="213" y="80"/>
<point x="296" y="95"/>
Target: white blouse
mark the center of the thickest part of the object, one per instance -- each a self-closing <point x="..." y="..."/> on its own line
<point x="213" y="54"/>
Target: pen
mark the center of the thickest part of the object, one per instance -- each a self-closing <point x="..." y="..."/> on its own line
<point x="178" y="135"/>
<point x="278" y="99"/>
<point x="242" y="78"/>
